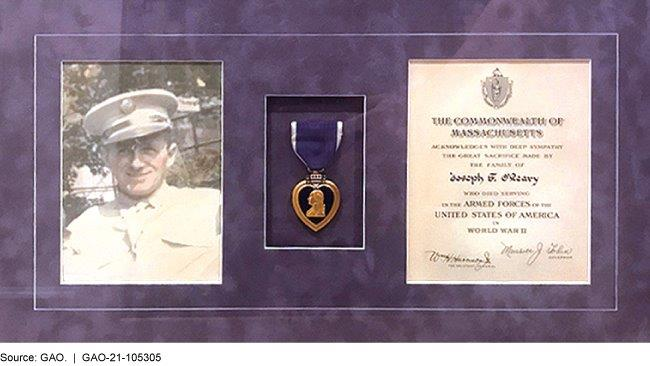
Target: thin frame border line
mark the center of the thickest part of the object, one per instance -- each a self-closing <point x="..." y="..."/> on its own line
<point x="616" y="187"/>
<point x="421" y="34"/>
<point x="363" y="177"/>
<point x="326" y="309"/>
<point x="548" y="34"/>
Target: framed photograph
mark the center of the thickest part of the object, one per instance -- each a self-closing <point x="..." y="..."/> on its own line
<point x="141" y="172"/>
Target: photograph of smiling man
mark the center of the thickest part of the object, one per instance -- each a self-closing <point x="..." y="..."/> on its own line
<point x="141" y="199"/>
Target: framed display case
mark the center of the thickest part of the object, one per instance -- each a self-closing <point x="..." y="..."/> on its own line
<point x="283" y="230"/>
<point x="371" y="168"/>
<point x="483" y="175"/>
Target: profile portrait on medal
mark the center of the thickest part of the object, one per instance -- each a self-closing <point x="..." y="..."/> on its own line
<point x="317" y="202"/>
<point x="141" y="173"/>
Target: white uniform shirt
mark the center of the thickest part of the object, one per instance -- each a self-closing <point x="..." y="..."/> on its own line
<point x="173" y="236"/>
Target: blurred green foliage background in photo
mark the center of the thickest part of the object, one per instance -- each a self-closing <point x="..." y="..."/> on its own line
<point x="197" y="124"/>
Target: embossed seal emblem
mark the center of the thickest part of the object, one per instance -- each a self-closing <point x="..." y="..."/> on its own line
<point x="497" y="89"/>
<point x="127" y="106"/>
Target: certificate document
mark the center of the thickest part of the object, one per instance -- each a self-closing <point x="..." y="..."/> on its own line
<point x="498" y="174"/>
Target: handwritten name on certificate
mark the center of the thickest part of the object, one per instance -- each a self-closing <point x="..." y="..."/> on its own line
<point x="498" y="182"/>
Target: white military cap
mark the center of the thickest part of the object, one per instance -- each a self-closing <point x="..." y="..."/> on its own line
<point x="130" y="115"/>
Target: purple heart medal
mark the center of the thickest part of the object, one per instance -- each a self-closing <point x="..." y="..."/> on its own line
<point x="316" y="199"/>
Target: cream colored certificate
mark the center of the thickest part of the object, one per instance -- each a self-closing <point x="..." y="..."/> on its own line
<point x="498" y="182"/>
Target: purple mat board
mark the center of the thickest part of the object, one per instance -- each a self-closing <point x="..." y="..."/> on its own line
<point x="258" y="66"/>
<point x="283" y="170"/>
<point x="387" y="34"/>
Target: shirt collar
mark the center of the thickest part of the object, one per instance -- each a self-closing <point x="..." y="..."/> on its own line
<point x="155" y="200"/>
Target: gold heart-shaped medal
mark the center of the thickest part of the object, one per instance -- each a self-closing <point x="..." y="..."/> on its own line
<point x="316" y="201"/>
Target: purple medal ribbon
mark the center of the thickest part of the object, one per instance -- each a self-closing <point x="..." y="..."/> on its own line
<point x="316" y="142"/>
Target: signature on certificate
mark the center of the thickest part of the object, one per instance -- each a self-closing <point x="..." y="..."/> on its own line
<point x="478" y="262"/>
<point x="533" y="252"/>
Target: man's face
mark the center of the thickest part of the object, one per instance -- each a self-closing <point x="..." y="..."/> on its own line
<point x="139" y="165"/>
